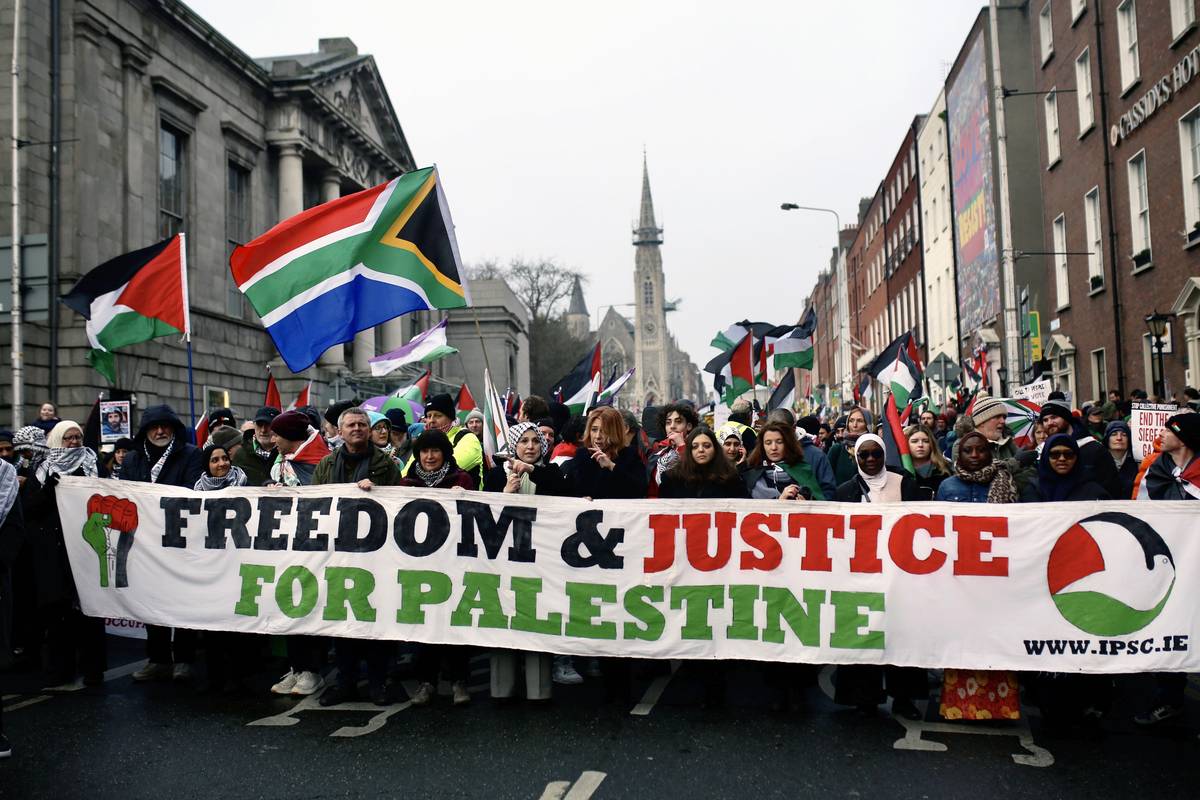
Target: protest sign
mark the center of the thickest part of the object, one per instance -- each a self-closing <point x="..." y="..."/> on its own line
<point x="1057" y="587"/>
<point x="1146" y="420"/>
<point x="1037" y="392"/>
<point x="114" y="420"/>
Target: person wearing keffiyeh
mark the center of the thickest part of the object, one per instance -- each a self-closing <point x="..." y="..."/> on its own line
<point x="162" y="454"/>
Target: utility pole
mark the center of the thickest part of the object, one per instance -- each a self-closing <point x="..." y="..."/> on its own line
<point x="1008" y="284"/>
<point x="18" y="356"/>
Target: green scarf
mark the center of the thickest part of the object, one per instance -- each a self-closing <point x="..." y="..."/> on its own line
<point x="802" y="474"/>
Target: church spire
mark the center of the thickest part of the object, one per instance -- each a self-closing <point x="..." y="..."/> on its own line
<point x="647" y="232"/>
<point x="578" y="306"/>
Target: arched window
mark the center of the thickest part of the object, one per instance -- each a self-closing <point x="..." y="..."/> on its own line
<point x="648" y="293"/>
<point x="613" y="357"/>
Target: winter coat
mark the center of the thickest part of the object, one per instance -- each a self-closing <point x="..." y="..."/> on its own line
<point x="185" y="464"/>
<point x="1126" y="475"/>
<point x="1100" y="468"/>
<point x="454" y="477"/>
<point x="52" y="575"/>
<point x="672" y="488"/>
<point x="842" y="464"/>
<point x="381" y="470"/>
<point x="12" y="536"/>
<point x="548" y="479"/>
<point x="257" y="468"/>
<point x="822" y="470"/>
<point x="855" y="489"/>
<point x="625" y="481"/>
<point x="928" y="483"/>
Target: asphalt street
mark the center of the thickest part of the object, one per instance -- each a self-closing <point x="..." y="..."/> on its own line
<point x="171" y="741"/>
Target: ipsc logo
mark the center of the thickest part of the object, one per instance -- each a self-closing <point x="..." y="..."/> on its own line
<point x="108" y="515"/>
<point x="1110" y="574"/>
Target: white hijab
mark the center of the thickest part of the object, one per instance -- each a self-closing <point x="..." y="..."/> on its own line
<point x="881" y="488"/>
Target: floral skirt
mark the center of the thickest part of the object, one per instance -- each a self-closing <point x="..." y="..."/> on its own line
<point x="980" y="694"/>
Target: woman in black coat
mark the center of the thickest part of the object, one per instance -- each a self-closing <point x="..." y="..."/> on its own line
<point x="703" y="471"/>
<point x="607" y="467"/>
<point x="863" y="685"/>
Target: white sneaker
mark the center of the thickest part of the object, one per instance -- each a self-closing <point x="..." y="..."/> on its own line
<point x="285" y="684"/>
<point x="305" y="684"/>
<point x="152" y="672"/>
<point x="181" y="672"/>
<point x="565" y="674"/>
<point x="423" y="695"/>
<point x="460" y="693"/>
<point x="5" y="747"/>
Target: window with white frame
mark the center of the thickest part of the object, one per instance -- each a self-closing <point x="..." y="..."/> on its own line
<point x="1062" y="286"/>
<point x="1099" y="375"/>
<point x="1189" y="145"/>
<point x="1091" y="219"/>
<point x="1046" y="29"/>
<point x="1139" y="209"/>
<point x="1077" y="9"/>
<point x="1127" y="39"/>
<point x="1053" y="151"/>
<point x="1083" y="91"/>
<point x="1183" y="14"/>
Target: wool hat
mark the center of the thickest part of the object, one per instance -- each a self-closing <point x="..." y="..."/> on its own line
<point x="1187" y="428"/>
<point x="291" y="425"/>
<point x="314" y="416"/>
<point x="335" y="410"/>
<point x="809" y="424"/>
<point x="1055" y="408"/>
<point x="217" y="414"/>
<point x="225" y="436"/>
<point x="374" y="418"/>
<point x="398" y="418"/>
<point x="1116" y="426"/>
<point x="442" y="403"/>
<point x="6" y="436"/>
<point x="986" y="408"/>
<point x="475" y="413"/>
<point x="124" y="443"/>
<point x="265" y="414"/>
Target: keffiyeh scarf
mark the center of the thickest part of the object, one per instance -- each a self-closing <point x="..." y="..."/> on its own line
<point x="207" y="483"/>
<point x="66" y="461"/>
<point x="157" y="469"/>
<point x="431" y="479"/>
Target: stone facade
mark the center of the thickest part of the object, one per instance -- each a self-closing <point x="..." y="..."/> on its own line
<point x="166" y="126"/>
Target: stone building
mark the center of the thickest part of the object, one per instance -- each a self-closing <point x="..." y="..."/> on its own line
<point x="1118" y="99"/>
<point x="165" y="126"/>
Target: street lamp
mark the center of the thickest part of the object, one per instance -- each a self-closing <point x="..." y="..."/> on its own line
<point x="843" y="294"/>
<point x="1002" y="374"/>
<point x="1156" y="323"/>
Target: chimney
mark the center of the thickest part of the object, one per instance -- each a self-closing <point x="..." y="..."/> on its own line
<point x="340" y="46"/>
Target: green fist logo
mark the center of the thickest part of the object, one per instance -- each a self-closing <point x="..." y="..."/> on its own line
<point x="108" y="515"/>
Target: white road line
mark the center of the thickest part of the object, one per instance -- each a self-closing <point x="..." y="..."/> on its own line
<point x="555" y="790"/>
<point x="11" y="696"/>
<point x="586" y="786"/>
<point x="122" y="671"/>
<point x="653" y="693"/>
<point x="25" y="703"/>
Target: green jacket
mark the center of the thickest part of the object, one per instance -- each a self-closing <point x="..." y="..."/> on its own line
<point x="381" y="470"/>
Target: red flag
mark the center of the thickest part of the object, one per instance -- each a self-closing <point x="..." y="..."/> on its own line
<point x="272" y="397"/>
<point x="894" y="441"/>
<point x="423" y="385"/>
<point x="202" y="431"/>
<point x="464" y="402"/>
<point x="302" y="398"/>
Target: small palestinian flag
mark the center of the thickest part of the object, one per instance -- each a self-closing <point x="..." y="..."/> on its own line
<point x="898" y="368"/>
<point x="784" y="395"/>
<point x="133" y="298"/>
<point x="580" y="386"/>
<point x="793" y="347"/>
<point x="736" y="375"/>
<point x="465" y="403"/>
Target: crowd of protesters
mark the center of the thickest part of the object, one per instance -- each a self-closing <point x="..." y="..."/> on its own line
<point x="963" y="456"/>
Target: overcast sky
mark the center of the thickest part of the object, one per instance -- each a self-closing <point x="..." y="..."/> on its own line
<point x="536" y="114"/>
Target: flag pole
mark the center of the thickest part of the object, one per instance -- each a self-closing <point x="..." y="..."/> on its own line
<point x="187" y="332"/>
<point x="482" y="344"/>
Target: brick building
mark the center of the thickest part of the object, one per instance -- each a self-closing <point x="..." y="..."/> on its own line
<point x="902" y="241"/>
<point x="1119" y="125"/>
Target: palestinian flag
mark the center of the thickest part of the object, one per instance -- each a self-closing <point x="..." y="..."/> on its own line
<point x="793" y="347"/>
<point x="132" y="298"/>
<point x="271" y="397"/>
<point x="465" y="403"/>
<point x="495" y="424"/>
<point x="615" y="385"/>
<point x="577" y="389"/>
<point x="762" y="351"/>
<point x="898" y="368"/>
<point x="727" y="339"/>
<point x="736" y="375"/>
<point x="302" y="398"/>
<point x="784" y="395"/>
<point x="320" y="277"/>
<point x="894" y="441"/>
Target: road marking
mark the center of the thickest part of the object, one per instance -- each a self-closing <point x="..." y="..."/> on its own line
<point x="583" y="788"/>
<point x="379" y="714"/>
<point x="653" y="693"/>
<point x="10" y="696"/>
<point x="122" y="671"/>
<point x="27" y="703"/>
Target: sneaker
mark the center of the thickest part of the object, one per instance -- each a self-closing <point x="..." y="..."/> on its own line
<point x="459" y="690"/>
<point x="381" y="694"/>
<point x="5" y="747"/>
<point x="591" y="668"/>
<point x="423" y="695"/>
<point x="1158" y="714"/>
<point x="305" y="683"/>
<point x="338" y="694"/>
<point x="286" y="684"/>
<point x="564" y="672"/>
<point x="152" y="672"/>
<point x="181" y="672"/>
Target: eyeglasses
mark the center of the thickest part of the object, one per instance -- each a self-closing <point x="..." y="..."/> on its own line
<point x="1062" y="455"/>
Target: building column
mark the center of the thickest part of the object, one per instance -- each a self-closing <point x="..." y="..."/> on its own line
<point x="331" y="189"/>
<point x="364" y="341"/>
<point x="291" y="179"/>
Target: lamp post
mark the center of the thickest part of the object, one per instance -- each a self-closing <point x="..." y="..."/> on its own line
<point x="843" y="296"/>
<point x="1002" y="374"/>
<point x="1156" y="323"/>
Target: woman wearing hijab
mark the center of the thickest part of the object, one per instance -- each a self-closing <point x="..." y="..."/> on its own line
<point x="227" y="653"/>
<point x="978" y="694"/>
<point x="841" y="455"/>
<point x="931" y="466"/>
<point x="777" y="470"/>
<point x="730" y="436"/>
<point x="863" y="685"/>
<point x="1061" y="477"/>
<point x="524" y="473"/>
<point x="1118" y="439"/>
<point x="75" y="643"/>
<point x="433" y="467"/>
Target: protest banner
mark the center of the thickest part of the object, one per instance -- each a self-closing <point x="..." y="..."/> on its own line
<point x="1145" y="421"/>
<point x="1058" y="587"/>
<point x="114" y="420"/>
<point x="1037" y="392"/>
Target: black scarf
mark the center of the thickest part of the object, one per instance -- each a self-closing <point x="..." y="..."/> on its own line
<point x="354" y="467"/>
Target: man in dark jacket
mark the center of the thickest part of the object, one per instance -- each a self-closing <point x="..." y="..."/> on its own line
<point x="162" y="454"/>
<point x="1098" y="465"/>
<point x="357" y="462"/>
<point x="257" y="453"/>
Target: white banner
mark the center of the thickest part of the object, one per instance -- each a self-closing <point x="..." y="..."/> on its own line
<point x="1145" y="421"/>
<point x="1037" y="392"/>
<point x="1094" y="587"/>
